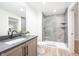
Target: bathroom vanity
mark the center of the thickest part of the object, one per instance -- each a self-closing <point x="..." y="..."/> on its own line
<point x="26" y="47"/>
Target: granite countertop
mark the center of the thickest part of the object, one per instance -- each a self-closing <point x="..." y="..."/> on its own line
<point x="4" y="47"/>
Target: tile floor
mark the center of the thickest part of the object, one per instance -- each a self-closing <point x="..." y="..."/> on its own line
<point x="46" y="50"/>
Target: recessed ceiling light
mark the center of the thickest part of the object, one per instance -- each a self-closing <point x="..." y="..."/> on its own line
<point x="54" y="10"/>
<point x="44" y="3"/>
<point x="21" y="9"/>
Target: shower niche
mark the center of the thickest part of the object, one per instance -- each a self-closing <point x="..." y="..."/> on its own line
<point x="63" y="27"/>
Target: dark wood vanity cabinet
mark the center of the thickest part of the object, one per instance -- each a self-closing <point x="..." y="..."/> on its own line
<point x="32" y="47"/>
<point x="18" y="51"/>
<point x="27" y="49"/>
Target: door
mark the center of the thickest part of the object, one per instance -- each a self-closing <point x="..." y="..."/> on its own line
<point x="76" y="29"/>
<point x="71" y="27"/>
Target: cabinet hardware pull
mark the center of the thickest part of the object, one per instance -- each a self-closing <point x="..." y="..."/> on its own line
<point x="27" y="50"/>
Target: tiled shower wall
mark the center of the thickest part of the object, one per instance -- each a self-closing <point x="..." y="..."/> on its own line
<point x="52" y="28"/>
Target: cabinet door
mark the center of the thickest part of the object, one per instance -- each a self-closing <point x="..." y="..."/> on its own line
<point x="18" y="51"/>
<point x="32" y="47"/>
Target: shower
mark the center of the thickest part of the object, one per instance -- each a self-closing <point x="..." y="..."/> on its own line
<point x="55" y="28"/>
<point x="55" y="23"/>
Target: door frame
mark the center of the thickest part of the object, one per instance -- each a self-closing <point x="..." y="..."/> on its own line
<point x="71" y="27"/>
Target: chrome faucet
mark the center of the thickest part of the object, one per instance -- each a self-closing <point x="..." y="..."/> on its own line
<point x="11" y="36"/>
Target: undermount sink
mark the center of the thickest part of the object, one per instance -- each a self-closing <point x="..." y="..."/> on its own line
<point x="15" y="41"/>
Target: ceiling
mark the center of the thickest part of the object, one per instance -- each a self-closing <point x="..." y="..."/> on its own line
<point x="37" y="6"/>
<point x="49" y="7"/>
<point x="17" y="8"/>
<point x="53" y="8"/>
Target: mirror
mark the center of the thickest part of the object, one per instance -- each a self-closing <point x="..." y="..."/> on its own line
<point x="10" y="16"/>
<point x="23" y="24"/>
<point x="13" y="27"/>
<point x="13" y="23"/>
